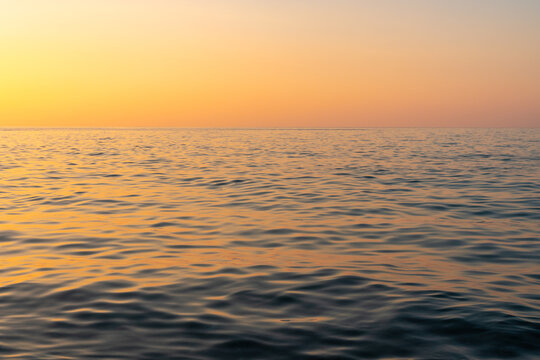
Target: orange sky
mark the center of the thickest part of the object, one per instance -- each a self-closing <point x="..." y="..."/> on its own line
<point x="253" y="63"/>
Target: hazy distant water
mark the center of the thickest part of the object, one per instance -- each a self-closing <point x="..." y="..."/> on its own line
<point x="278" y="244"/>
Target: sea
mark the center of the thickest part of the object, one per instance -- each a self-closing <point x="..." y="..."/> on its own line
<point x="198" y="244"/>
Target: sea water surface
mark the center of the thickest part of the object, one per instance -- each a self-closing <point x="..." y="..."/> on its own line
<point x="270" y="244"/>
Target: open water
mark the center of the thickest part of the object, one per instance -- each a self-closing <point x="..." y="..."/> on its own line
<point x="270" y="244"/>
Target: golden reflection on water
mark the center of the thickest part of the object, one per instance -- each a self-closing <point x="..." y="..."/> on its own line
<point x="144" y="212"/>
<point x="399" y="264"/>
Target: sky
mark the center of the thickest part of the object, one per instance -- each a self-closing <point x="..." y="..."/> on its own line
<point x="260" y="63"/>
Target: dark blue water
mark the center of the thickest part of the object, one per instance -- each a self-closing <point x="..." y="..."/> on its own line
<point x="270" y="244"/>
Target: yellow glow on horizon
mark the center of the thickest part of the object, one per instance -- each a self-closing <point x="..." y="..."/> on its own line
<point x="179" y="63"/>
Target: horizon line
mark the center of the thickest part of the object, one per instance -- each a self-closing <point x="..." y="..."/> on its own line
<point x="255" y="128"/>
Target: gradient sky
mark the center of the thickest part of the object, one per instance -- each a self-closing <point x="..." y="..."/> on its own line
<point x="258" y="63"/>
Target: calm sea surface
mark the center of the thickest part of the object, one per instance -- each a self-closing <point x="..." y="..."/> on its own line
<point x="270" y="244"/>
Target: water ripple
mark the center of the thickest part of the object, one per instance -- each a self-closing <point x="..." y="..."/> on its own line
<point x="270" y="244"/>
